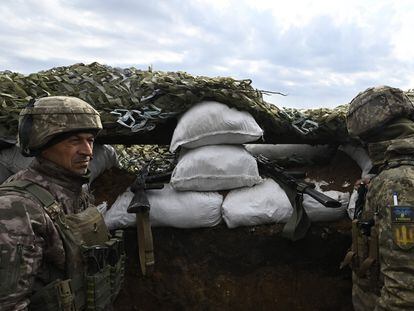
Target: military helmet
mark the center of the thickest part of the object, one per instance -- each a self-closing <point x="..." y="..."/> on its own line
<point x="371" y="109"/>
<point x="45" y="118"/>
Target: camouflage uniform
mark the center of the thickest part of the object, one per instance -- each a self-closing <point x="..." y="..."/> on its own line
<point x="393" y="288"/>
<point x="26" y="227"/>
<point x="55" y="250"/>
<point x="383" y="237"/>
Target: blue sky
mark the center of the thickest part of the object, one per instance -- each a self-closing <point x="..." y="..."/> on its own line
<point x="320" y="53"/>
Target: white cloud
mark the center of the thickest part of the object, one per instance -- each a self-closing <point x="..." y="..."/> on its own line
<point x="320" y="52"/>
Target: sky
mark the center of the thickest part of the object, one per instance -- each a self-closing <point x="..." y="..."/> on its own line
<point x="318" y="53"/>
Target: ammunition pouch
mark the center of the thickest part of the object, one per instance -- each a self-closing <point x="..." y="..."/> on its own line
<point x="98" y="289"/>
<point x="364" y="252"/>
<point x="116" y="259"/>
<point x="105" y="272"/>
<point x="103" y="281"/>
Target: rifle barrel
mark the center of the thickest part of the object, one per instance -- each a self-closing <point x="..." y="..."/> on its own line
<point x="279" y="174"/>
<point x="322" y="198"/>
<point x="159" y="177"/>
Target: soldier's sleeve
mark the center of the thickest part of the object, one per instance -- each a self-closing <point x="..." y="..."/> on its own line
<point x="20" y="252"/>
<point x="395" y="201"/>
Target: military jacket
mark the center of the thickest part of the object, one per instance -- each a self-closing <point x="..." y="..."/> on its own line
<point x="29" y="240"/>
<point x="390" y="201"/>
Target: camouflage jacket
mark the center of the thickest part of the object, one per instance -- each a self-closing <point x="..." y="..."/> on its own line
<point x="391" y="200"/>
<point x="31" y="248"/>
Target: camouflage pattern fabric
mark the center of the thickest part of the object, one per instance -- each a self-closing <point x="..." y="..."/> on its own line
<point x="396" y="231"/>
<point x="376" y="106"/>
<point x="108" y="89"/>
<point x="28" y="237"/>
<point x="54" y="115"/>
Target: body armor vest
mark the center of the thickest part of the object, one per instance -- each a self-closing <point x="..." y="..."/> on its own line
<point x="95" y="261"/>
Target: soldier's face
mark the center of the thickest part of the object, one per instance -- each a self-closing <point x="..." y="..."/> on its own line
<point x="73" y="153"/>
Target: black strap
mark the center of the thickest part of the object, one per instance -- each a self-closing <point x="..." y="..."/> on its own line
<point x="25" y="129"/>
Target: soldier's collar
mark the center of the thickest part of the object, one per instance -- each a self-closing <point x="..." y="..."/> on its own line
<point x="59" y="174"/>
<point x="391" y="151"/>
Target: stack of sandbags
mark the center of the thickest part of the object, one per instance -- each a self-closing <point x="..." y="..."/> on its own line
<point x="207" y="162"/>
<point x="212" y="158"/>
<point x="209" y="138"/>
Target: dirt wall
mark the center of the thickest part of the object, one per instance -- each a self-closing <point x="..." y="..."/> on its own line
<point x="249" y="268"/>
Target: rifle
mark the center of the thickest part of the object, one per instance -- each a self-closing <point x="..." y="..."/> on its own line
<point x="299" y="223"/>
<point x="140" y="206"/>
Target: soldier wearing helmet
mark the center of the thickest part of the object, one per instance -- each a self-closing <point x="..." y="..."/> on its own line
<point x="56" y="252"/>
<point x="382" y="253"/>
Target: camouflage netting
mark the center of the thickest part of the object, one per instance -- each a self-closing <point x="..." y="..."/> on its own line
<point x="160" y="97"/>
<point x="410" y="94"/>
<point x="134" y="158"/>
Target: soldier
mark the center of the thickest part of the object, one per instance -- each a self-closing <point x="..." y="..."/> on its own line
<point x="55" y="250"/>
<point x="382" y="254"/>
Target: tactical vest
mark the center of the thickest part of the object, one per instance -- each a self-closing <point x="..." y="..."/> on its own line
<point x="94" y="268"/>
<point x="364" y="253"/>
<point x="363" y="257"/>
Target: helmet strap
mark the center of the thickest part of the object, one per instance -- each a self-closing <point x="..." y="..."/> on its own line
<point x="24" y="131"/>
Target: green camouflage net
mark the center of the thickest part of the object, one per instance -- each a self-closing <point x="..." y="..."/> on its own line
<point x="410" y="94"/>
<point x="321" y="121"/>
<point x="134" y="158"/>
<point x="164" y="95"/>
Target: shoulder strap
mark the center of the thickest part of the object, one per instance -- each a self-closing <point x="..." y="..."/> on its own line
<point x="396" y="163"/>
<point x="40" y="193"/>
<point x="44" y="196"/>
<point x="298" y="224"/>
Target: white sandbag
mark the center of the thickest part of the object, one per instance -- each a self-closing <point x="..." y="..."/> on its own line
<point x="319" y="213"/>
<point x="261" y="204"/>
<point x="185" y="209"/>
<point x="268" y="203"/>
<point x="104" y="158"/>
<point x="360" y="156"/>
<point x="170" y="208"/>
<point x="117" y="216"/>
<point x="216" y="167"/>
<point x="213" y="123"/>
<point x="293" y="154"/>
